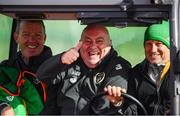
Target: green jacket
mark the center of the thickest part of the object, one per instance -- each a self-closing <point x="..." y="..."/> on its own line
<point x="18" y="92"/>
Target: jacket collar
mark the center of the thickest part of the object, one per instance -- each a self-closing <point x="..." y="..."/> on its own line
<point x="36" y="61"/>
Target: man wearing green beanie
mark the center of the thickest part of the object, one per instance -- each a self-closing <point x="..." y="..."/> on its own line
<point x="156" y="43"/>
<point x="159" y="32"/>
<point x="149" y="81"/>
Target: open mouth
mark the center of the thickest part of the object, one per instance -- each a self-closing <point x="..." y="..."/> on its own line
<point x="94" y="54"/>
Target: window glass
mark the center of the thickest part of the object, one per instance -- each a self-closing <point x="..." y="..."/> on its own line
<point x="5" y="34"/>
<point x="129" y="42"/>
<point x="62" y="35"/>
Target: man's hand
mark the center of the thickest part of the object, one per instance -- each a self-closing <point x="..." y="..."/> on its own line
<point x="71" y="55"/>
<point x="8" y="111"/>
<point x="115" y="94"/>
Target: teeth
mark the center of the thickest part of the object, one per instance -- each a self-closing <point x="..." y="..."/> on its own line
<point x="94" y="53"/>
<point x="30" y="46"/>
<point x="154" y="54"/>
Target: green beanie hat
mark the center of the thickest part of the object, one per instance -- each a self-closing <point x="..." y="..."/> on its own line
<point x="159" y="32"/>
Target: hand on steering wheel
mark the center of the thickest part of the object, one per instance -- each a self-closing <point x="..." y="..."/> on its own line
<point x="126" y="96"/>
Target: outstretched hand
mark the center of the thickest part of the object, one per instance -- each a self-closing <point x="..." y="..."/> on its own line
<point x="115" y="94"/>
<point x="71" y="55"/>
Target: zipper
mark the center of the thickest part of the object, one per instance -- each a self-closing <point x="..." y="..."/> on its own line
<point x="159" y="83"/>
<point x="158" y="102"/>
<point x="157" y="87"/>
<point x="158" y="95"/>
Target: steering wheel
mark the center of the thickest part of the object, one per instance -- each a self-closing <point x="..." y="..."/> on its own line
<point x="126" y="96"/>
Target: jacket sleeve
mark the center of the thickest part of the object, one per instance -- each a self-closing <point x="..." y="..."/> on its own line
<point x="49" y="70"/>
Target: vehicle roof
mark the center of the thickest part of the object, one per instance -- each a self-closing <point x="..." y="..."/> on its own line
<point x="108" y="12"/>
<point x="78" y="2"/>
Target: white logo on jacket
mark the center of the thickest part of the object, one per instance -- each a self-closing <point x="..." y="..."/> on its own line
<point x="10" y="98"/>
<point x="75" y="73"/>
<point x="73" y="79"/>
<point x="118" y="66"/>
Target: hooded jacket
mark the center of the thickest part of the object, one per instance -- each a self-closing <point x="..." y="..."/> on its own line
<point x="32" y="66"/>
<point x="18" y="92"/>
